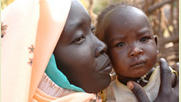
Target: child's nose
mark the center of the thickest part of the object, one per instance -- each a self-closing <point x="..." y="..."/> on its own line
<point x="136" y="51"/>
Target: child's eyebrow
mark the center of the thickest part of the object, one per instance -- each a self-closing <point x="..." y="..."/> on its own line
<point x="144" y="30"/>
<point x="118" y="37"/>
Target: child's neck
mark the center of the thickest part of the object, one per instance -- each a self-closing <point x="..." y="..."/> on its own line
<point x="124" y="80"/>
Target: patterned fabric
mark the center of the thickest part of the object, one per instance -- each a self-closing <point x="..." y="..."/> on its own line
<point x="49" y="87"/>
<point x="118" y="92"/>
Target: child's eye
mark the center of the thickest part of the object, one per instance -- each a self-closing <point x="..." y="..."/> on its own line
<point x="79" y="40"/>
<point x="144" y="39"/>
<point x="120" y="44"/>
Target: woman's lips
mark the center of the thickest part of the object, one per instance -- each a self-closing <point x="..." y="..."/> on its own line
<point x="104" y="64"/>
<point x="107" y="68"/>
<point x="138" y="64"/>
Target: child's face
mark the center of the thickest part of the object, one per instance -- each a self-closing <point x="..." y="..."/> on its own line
<point x="131" y="45"/>
<point x="80" y="55"/>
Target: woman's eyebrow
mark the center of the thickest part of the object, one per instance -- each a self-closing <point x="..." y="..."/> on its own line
<point x="77" y="24"/>
<point x="80" y="23"/>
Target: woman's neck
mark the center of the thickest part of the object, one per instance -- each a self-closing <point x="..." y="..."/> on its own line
<point x="141" y="80"/>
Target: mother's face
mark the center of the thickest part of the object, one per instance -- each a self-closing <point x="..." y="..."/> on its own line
<point x="80" y="55"/>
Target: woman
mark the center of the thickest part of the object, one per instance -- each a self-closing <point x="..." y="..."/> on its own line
<point x="33" y="40"/>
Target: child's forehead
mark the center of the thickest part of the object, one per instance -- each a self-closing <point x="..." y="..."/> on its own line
<point x="125" y="17"/>
<point x="126" y="12"/>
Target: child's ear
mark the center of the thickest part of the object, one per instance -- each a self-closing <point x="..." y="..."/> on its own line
<point x="156" y="39"/>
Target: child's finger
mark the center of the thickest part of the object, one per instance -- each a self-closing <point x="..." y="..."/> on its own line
<point x="165" y="73"/>
<point x="138" y="91"/>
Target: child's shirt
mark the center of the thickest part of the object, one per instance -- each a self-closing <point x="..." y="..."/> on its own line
<point x="118" y="92"/>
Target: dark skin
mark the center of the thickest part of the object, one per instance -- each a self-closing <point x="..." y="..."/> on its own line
<point x="130" y="41"/>
<point x="168" y="91"/>
<point x="80" y="55"/>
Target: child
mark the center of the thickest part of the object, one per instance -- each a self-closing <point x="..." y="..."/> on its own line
<point x="132" y="48"/>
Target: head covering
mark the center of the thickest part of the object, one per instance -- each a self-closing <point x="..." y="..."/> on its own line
<point x="34" y="27"/>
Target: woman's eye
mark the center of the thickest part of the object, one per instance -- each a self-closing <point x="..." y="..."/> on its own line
<point x="144" y="39"/>
<point x="120" y="44"/>
<point x="79" y="40"/>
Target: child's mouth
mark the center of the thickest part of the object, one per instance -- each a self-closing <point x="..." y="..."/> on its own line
<point x="138" y="64"/>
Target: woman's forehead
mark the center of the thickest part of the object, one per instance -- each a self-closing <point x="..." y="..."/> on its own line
<point x="77" y="13"/>
<point x="77" y="19"/>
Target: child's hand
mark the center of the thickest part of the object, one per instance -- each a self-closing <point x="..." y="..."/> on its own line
<point x="167" y="92"/>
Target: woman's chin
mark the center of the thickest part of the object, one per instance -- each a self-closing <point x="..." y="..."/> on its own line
<point x="96" y="89"/>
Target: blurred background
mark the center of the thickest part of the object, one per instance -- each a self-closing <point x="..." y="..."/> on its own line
<point x="163" y="15"/>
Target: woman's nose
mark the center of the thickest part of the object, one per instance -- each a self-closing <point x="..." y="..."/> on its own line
<point x="135" y="51"/>
<point x="101" y="48"/>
